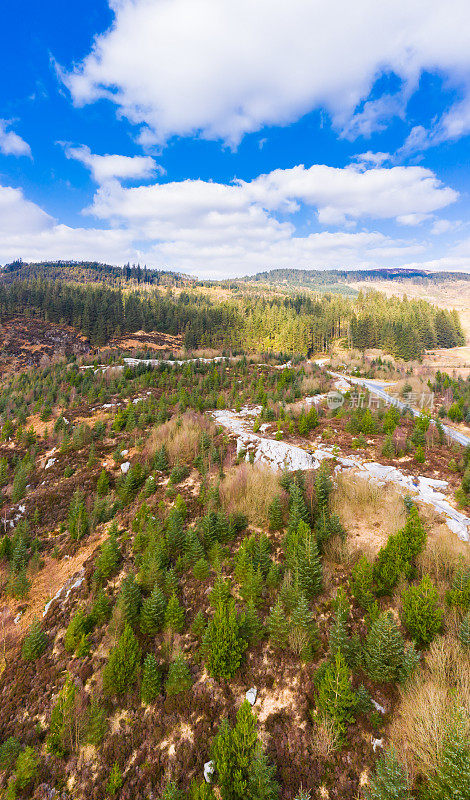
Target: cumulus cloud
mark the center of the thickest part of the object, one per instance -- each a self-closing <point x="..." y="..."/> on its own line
<point x="108" y="167"/>
<point x="217" y="229"/>
<point x="10" y="143"/>
<point x="407" y="194"/>
<point x="221" y="69"/>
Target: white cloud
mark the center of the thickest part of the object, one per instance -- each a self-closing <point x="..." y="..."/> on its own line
<point x="10" y="143"/>
<point x="217" y="230"/>
<point x="408" y="194"/>
<point x="372" y="159"/>
<point x="223" y="68"/>
<point x="104" y="168"/>
<point x="444" y="226"/>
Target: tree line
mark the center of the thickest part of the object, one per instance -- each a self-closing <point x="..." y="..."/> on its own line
<point x="290" y="324"/>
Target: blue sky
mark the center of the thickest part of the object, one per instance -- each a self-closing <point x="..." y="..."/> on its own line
<point x="221" y="138"/>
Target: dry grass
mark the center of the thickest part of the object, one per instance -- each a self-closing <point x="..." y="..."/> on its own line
<point x="249" y="489"/>
<point x="427" y="705"/>
<point x="442" y="554"/>
<point x="181" y="437"/>
<point x="369" y="512"/>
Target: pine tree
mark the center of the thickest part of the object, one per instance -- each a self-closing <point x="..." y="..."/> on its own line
<point x="362" y="582"/>
<point x="242" y="770"/>
<point x="101" y="609"/>
<point x="152" y="612"/>
<point x="464" y="632"/>
<point x="422" y="613"/>
<point x="275" y="515"/>
<point x="174" y="615"/>
<point x="390" y="780"/>
<point x="102" y="486"/>
<point x="179" y="677"/>
<point x="34" y="643"/>
<point x="323" y="487"/>
<point x="452" y="780"/>
<point x="297" y="508"/>
<point x="130" y="600"/>
<point x="384" y="649"/>
<point x="58" y="740"/>
<point x="223" y="646"/>
<point x="252" y="628"/>
<point x="336" y="698"/>
<point x="151" y="679"/>
<point x="220" y="594"/>
<point x="302" y="630"/>
<point x="108" y="558"/>
<point x="201" y="570"/>
<point x="75" y="631"/>
<point x="123" y="666"/>
<point x="278" y="626"/>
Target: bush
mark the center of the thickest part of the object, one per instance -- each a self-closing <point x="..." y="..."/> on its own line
<point x="115" y="780"/>
<point x="422" y="613"/>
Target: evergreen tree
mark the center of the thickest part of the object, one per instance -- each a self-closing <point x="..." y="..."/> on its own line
<point x="277" y="625"/>
<point x="251" y="629"/>
<point x="384" y="649"/>
<point x="102" y="486"/>
<point x="275" y="515"/>
<point x="152" y="612"/>
<point x="151" y="679"/>
<point x="174" y="615"/>
<point x="297" y="508"/>
<point x="223" y="646"/>
<point x="422" y="613"/>
<point x="452" y="781"/>
<point x="101" y="609"/>
<point x="122" y="669"/>
<point x="336" y="698"/>
<point x="179" y="677"/>
<point x="362" y="583"/>
<point x="301" y="630"/>
<point x="464" y="632"/>
<point x="130" y="600"/>
<point x="59" y="738"/>
<point x="35" y="642"/>
<point x="242" y="770"/>
<point x="390" y="780"/>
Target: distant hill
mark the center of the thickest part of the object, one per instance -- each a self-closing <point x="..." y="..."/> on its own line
<point x="330" y="278"/>
<point x="91" y="272"/>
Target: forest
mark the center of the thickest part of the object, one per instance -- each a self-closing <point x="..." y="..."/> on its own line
<point x="301" y="323"/>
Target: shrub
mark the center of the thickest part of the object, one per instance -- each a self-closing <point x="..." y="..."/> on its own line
<point x="123" y="666"/>
<point x="27" y="765"/>
<point x="35" y="642"/>
<point x="422" y="613"/>
<point x="115" y="780"/>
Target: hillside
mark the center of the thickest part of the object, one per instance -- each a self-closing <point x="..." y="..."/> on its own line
<point x="220" y="567"/>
